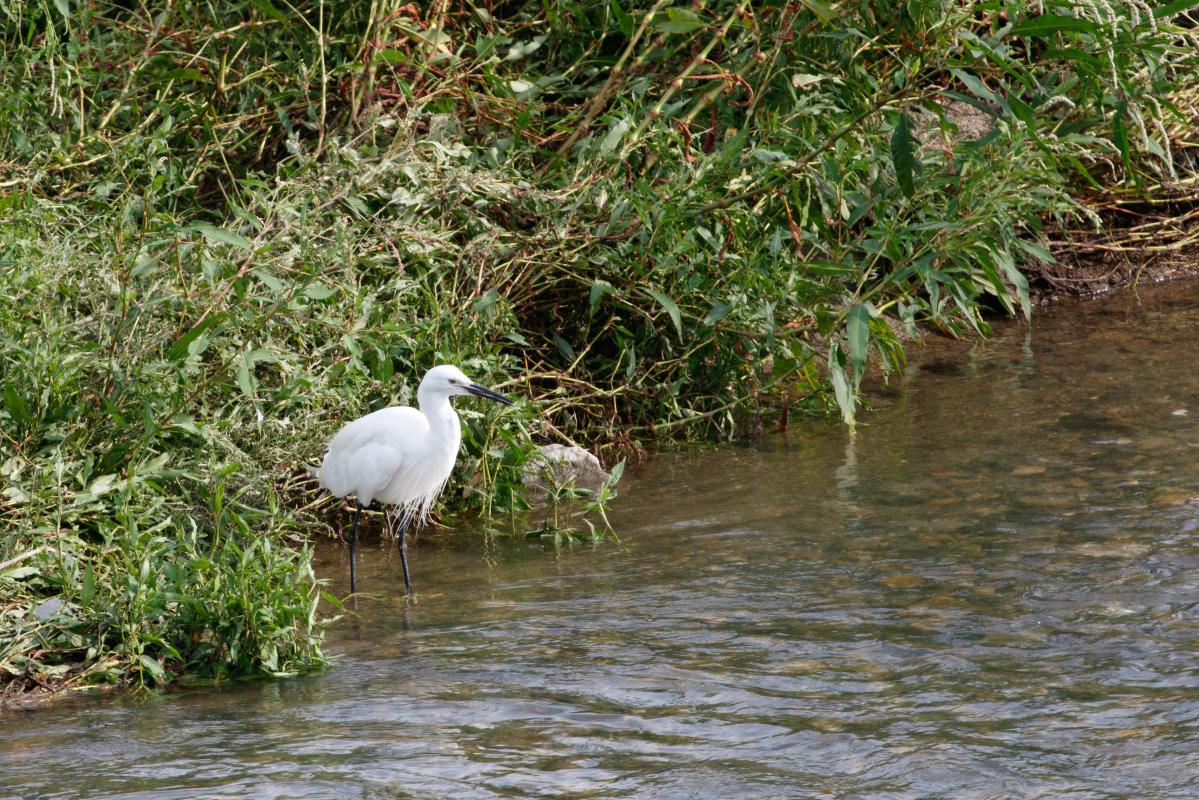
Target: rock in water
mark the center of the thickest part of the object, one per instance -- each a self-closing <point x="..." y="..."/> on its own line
<point x="559" y="465"/>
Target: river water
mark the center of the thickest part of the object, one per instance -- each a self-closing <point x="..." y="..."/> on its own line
<point x="991" y="591"/>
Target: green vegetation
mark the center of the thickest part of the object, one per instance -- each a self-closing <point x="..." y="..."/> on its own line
<point x="226" y="228"/>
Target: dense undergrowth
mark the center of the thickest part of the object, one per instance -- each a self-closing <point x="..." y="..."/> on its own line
<point x="228" y="227"/>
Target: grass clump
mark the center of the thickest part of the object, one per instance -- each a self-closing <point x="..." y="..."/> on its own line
<point x="227" y="229"/>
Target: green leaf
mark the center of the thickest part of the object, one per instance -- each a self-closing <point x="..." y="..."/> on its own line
<point x="858" y="330"/>
<point x="15" y="404"/>
<point x="718" y="312"/>
<point x="522" y="49"/>
<point x="391" y="56"/>
<point x="143" y="266"/>
<point x="266" y="8"/>
<point x="245" y="380"/>
<point x="1024" y="112"/>
<point x="153" y="666"/>
<point x="1036" y="250"/>
<point x="261" y="356"/>
<point x="671" y="308"/>
<point x="990" y="269"/>
<point x="1088" y="62"/>
<point x="975" y="86"/>
<point x="271" y="281"/>
<point x="64" y="7"/>
<point x="903" y="155"/>
<point x="1170" y="9"/>
<point x="15" y="495"/>
<point x="622" y="19"/>
<point x="186" y="423"/>
<point x="598" y="290"/>
<point x="318" y="291"/>
<point x="1120" y="137"/>
<point x="614" y="136"/>
<point x="830" y="268"/>
<point x="180" y="348"/>
<point x="222" y="235"/>
<point x="841" y="390"/>
<point x="102" y="485"/>
<point x="486" y="301"/>
<point x="88" y="590"/>
<point x="1048" y="24"/>
<point x="1017" y="279"/>
<point x="564" y="347"/>
<point x="823" y="11"/>
<point x="268" y="653"/>
<point x="105" y="188"/>
<point x="679" y="20"/>
<point x="767" y="156"/>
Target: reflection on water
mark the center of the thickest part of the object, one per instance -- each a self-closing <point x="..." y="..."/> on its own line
<point x="990" y="592"/>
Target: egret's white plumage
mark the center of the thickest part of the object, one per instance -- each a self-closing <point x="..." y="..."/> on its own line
<point x="395" y="456"/>
<point x="401" y="455"/>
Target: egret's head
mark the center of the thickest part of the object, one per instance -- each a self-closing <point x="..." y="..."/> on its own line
<point x="448" y="381"/>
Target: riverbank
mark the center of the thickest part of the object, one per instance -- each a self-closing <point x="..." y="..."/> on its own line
<point x="1142" y="241"/>
<point x="225" y="236"/>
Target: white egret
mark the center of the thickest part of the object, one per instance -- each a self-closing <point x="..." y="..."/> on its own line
<point x="401" y="455"/>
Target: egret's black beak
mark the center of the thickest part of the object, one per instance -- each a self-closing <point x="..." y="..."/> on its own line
<point x="483" y="391"/>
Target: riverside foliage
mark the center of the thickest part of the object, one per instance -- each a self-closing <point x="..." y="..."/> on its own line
<point x="228" y="227"/>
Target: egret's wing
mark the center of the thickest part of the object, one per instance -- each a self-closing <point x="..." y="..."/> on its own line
<point x="367" y="454"/>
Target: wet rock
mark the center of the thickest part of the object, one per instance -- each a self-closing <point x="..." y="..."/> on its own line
<point x="962" y="123"/>
<point x="558" y="465"/>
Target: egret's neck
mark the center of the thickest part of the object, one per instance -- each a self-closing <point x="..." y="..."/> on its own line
<point x="443" y="420"/>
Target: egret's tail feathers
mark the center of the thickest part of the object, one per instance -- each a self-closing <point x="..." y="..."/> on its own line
<point x="312" y="471"/>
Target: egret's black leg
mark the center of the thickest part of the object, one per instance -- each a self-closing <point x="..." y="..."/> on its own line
<point x="354" y="548"/>
<point x="404" y="555"/>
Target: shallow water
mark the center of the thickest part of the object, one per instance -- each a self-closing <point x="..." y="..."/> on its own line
<point x="990" y="592"/>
